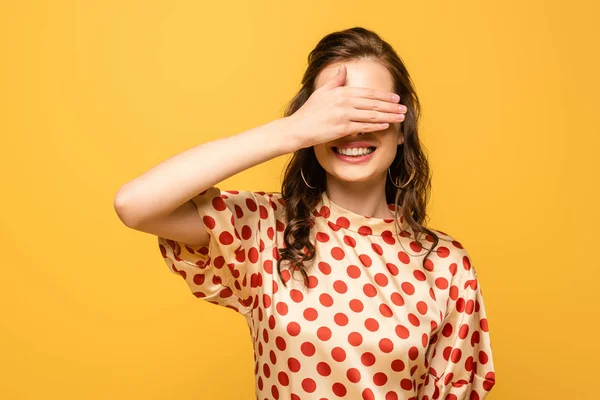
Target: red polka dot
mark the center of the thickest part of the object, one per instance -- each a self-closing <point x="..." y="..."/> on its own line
<point x="339" y="389"/>
<point x="380" y="379"/>
<point x="365" y="260"/>
<point x="388" y="237"/>
<point x="293" y="364"/>
<point x="280" y="343"/>
<point x="281" y="308"/>
<point x="365" y="230"/>
<point x="397" y="299"/>
<point x="369" y="290"/>
<point x="308" y="349"/>
<point x="402" y="332"/>
<point x="283" y="378"/>
<point x="403" y="257"/>
<point x="324" y="267"/>
<point x="326" y="300"/>
<point x="324" y="333"/>
<point x="309" y="385"/>
<point x="416" y="246"/>
<point x="385" y="310"/>
<point x="408" y="288"/>
<point x="355" y="339"/>
<point x="293" y="328"/>
<point x="398" y="365"/>
<point x="296" y="295"/>
<point x="394" y="396"/>
<point x="225" y="238"/>
<point x="341" y="319"/>
<point x="377" y="249"/>
<point x="350" y="241"/>
<point x="322" y="237"/>
<point x="381" y="279"/>
<point x="368" y="359"/>
<point x="356" y="305"/>
<point x="483" y="357"/>
<point x="413" y="353"/>
<point x="353" y="375"/>
<point x="413" y="319"/>
<point x="443" y="252"/>
<point x="466" y="263"/>
<point x="406" y="384"/>
<point x="343" y="222"/>
<point x="392" y="268"/>
<point x="337" y="253"/>
<point x="338" y="354"/>
<point x="323" y="369"/>
<point x="310" y="314"/>
<point x="371" y="324"/>
<point x="386" y="345"/>
<point x="353" y="271"/>
<point x="340" y="286"/>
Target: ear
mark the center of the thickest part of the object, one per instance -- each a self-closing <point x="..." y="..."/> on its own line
<point x="400" y="135"/>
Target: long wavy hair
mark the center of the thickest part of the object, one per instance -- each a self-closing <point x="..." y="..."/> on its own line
<point x="300" y="200"/>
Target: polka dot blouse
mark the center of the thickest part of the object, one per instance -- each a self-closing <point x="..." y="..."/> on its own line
<point x="374" y="323"/>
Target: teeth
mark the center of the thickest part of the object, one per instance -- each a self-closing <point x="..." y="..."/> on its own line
<point x="354" y="152"/>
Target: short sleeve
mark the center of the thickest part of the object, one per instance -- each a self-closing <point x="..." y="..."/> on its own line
<point x="460" y="352"/>
<point x="227" y="271"/>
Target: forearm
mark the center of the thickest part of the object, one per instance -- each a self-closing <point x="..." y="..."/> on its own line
<point x="176" y="180"/>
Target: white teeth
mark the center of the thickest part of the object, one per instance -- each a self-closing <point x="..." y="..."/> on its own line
<point x="355" y="151"/>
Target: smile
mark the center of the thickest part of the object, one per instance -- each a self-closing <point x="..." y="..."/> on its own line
<point x="354" y="155"/>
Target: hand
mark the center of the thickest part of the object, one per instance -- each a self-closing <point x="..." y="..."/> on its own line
<point x="334" y="111"/>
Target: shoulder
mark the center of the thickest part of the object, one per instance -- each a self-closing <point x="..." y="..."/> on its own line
<point x="451" y="260"/>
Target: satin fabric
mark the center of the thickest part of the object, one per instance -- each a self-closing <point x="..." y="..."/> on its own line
<point x="375" y="322"/>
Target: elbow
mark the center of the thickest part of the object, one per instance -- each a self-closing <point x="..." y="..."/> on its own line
<point x="123" y="208"/>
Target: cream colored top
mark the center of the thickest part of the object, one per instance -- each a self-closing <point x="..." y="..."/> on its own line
<point x="375" y="323"/>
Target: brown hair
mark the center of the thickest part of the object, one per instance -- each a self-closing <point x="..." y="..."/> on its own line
<point x="347" y="45"/>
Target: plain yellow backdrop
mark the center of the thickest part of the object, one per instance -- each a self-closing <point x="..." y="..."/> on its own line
<point x="95" y="93"/>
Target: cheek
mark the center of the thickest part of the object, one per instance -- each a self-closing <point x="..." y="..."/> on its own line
<point x="321" y="152"/>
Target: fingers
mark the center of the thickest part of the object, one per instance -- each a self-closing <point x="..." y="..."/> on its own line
<point x="375" y="116"/>
<point x="372" y="94"/>
<point x="338" y="79"/>
<point x="377" y="105"/>
<point x="357" y="127"/>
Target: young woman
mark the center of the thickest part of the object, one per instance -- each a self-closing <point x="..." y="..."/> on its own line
<point x="347" y="294"/>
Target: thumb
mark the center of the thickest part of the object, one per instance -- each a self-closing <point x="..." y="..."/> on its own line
<point x="339" y="79"/>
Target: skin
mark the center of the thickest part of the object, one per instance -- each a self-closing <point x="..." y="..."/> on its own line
<point x="360" y="188"/>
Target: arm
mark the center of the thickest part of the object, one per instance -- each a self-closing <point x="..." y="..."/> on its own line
<point x="159" y="201"/>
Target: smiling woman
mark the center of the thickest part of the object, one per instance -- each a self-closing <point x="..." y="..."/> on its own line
<point x="345" y="291"/>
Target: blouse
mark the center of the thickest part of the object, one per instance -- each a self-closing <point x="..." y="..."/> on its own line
<point x="374" y="321"/>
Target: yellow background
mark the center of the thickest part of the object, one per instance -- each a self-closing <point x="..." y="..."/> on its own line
<point x="95" y="93"/>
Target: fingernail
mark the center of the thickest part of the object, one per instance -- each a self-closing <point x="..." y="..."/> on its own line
<point x="395" y="97"/>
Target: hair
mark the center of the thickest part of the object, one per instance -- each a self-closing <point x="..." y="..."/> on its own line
<point x="299" y="200"/>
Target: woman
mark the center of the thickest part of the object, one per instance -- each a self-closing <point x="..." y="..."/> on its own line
<point x="346" y="292"/>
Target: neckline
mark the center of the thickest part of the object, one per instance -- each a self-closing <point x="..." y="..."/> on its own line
<point x="338" y="217"/>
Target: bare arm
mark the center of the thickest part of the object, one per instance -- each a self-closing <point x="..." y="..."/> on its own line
<point x="159" y="201"/>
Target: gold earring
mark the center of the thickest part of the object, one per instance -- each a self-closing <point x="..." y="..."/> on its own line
<point x="304" y="179"/>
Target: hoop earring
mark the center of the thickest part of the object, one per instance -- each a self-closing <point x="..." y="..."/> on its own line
<point x="401" y="187"/>
<point x="304" y="179"/>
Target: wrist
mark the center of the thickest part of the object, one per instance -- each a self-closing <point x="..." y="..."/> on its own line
<point x="293" y="136"/>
